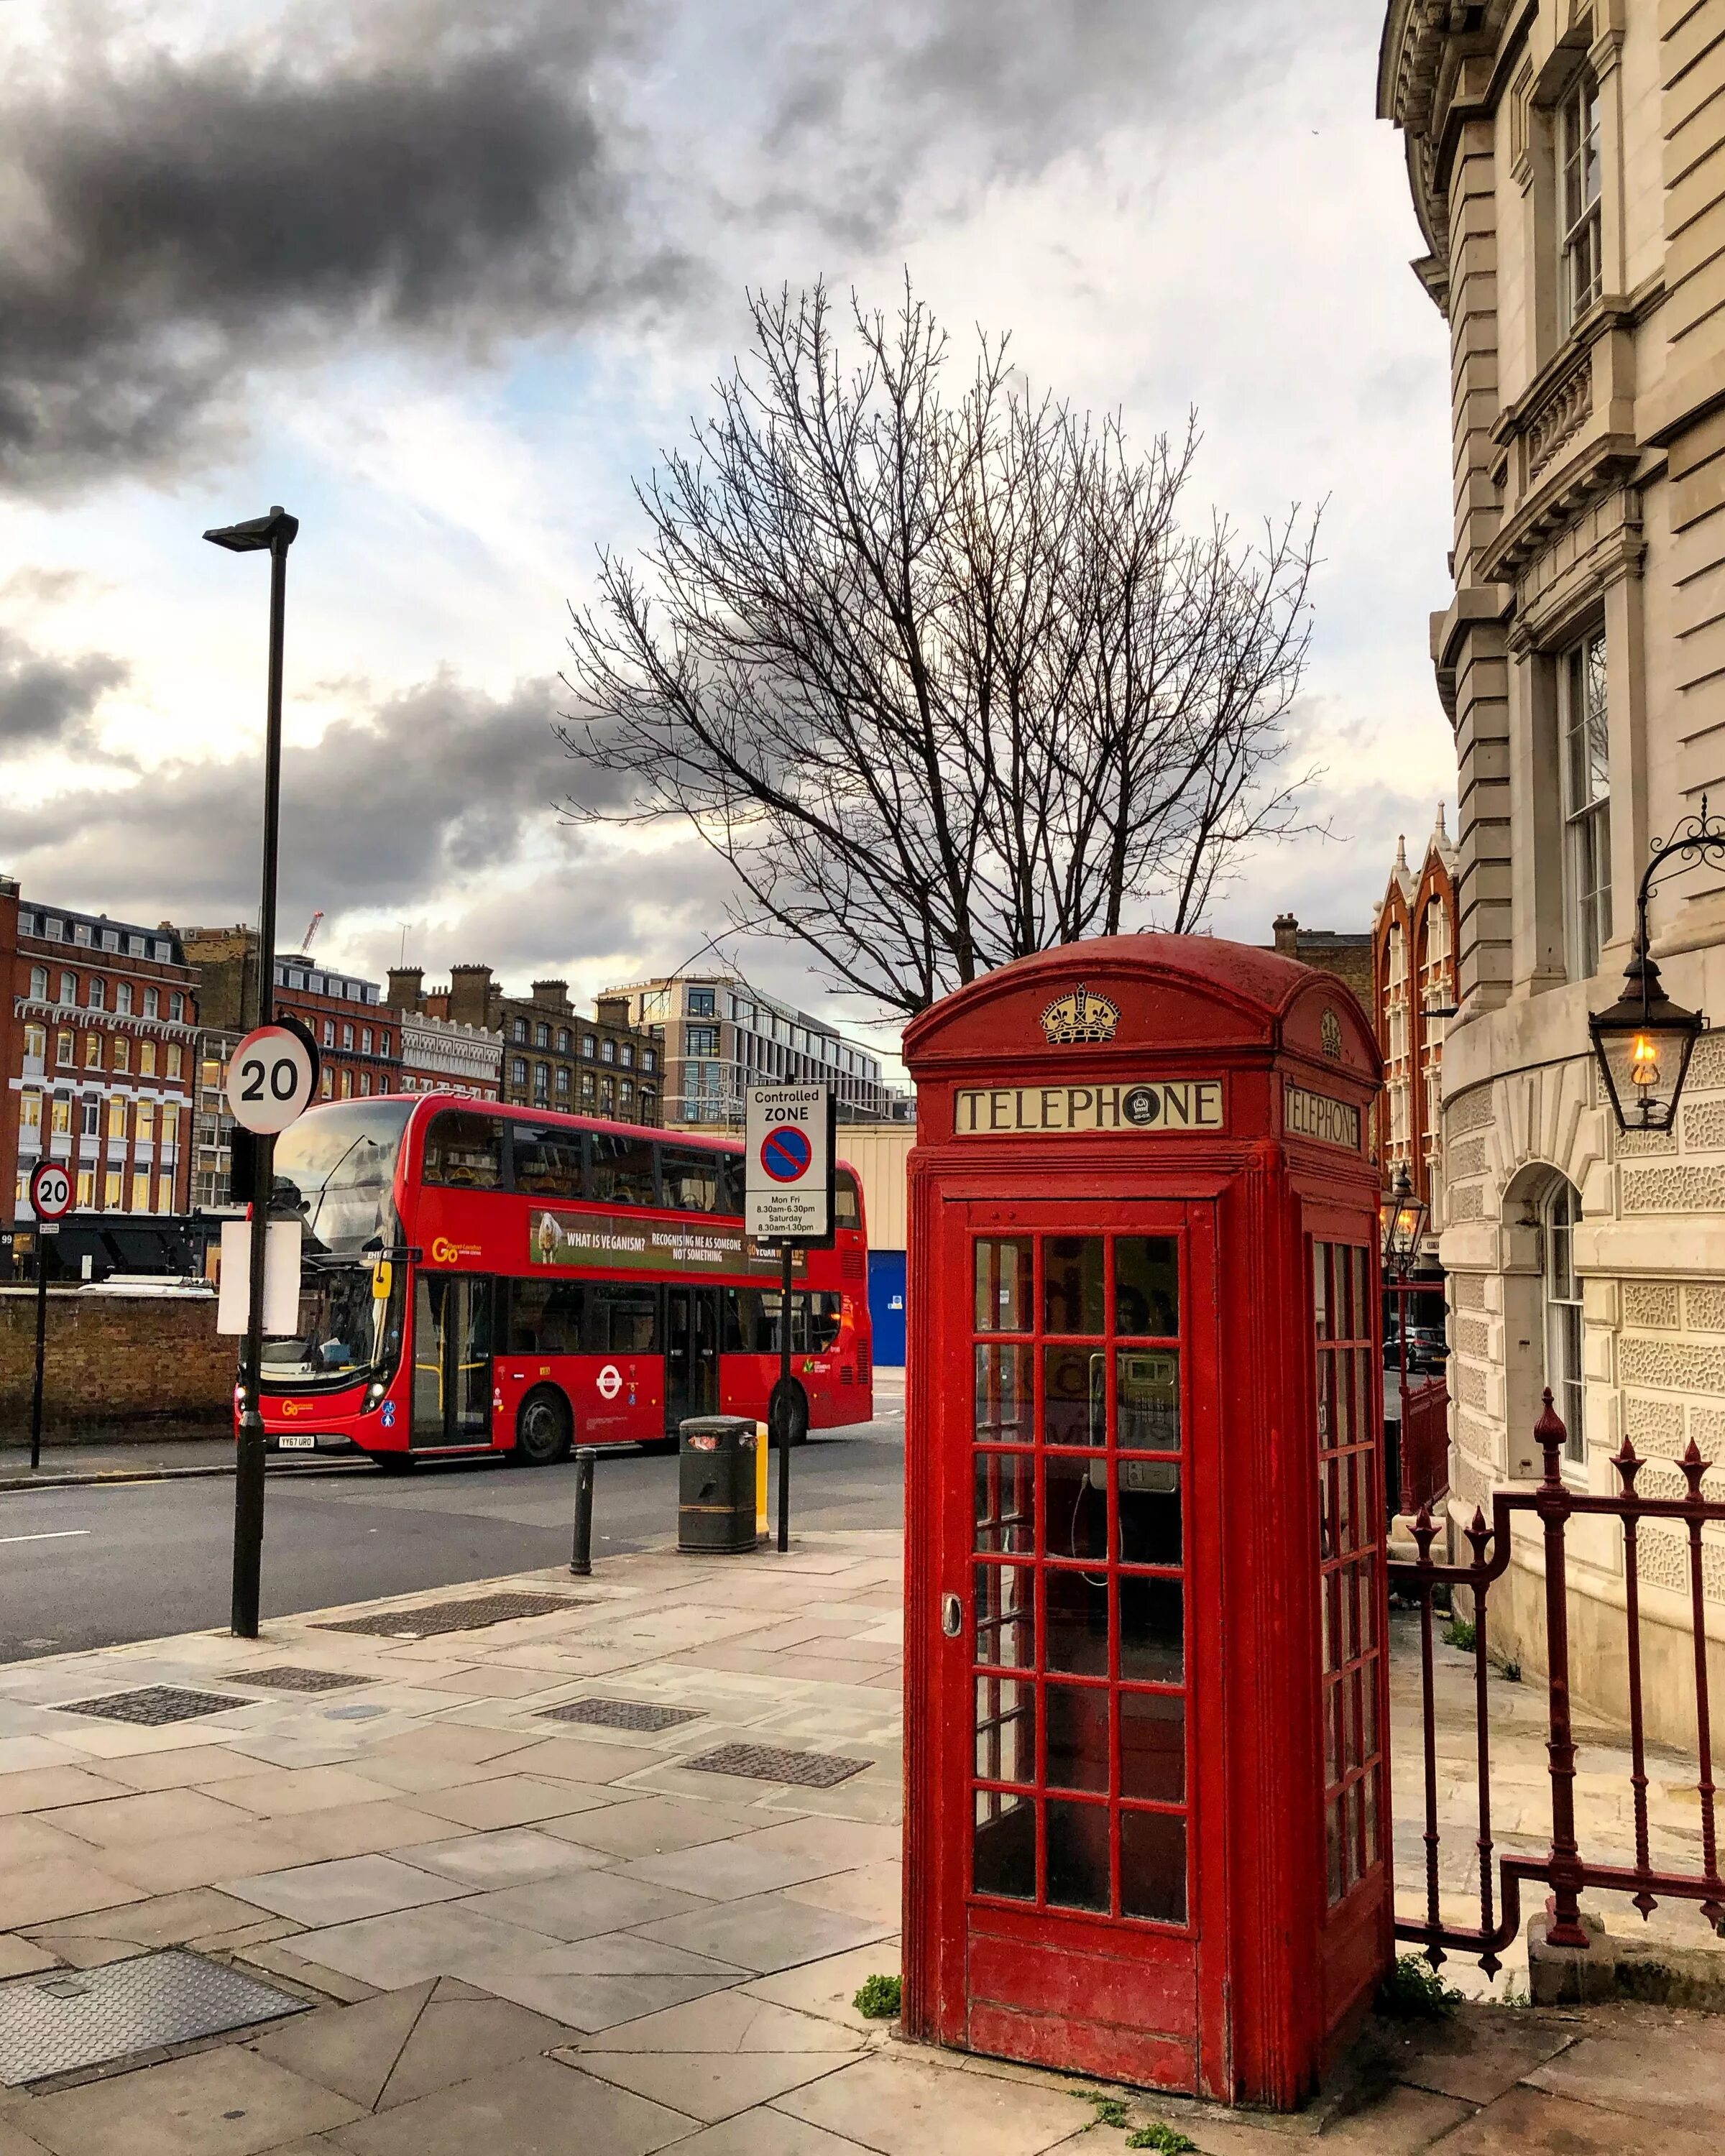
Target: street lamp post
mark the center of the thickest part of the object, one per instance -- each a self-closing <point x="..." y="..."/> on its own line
<point x="1401" y="1216"/>
<point x="1644" y="1040"/>
<point x="274" y="534"/>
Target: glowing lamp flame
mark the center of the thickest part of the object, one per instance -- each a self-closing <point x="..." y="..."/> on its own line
<point x="1643" y="1060"/>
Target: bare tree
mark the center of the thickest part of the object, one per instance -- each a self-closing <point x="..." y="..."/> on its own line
<point x="944" y="682"/>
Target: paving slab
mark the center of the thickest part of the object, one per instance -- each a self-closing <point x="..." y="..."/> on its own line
<point x="352" y="1831"/>
<point x="728" y="1871"/>
<point x="458" y="2037"/>
<point x="223" y="2102"/>
<point x="581" y="1905"/>
<point x="538" y="2107"/>
<point x="352" y="2050"/>
<point x="283" y="1791"/>
<point x="767" y="1932"/>
<point x="1676" y="2072"/>
<point x="165" y="1920"/>
<point x="905" y="2106"/>
<point x="506" y="1856"/>
<point x="27" y="1836"/>
<point x="707" y="2084"/>
<point x="45" y="1888"/>
<point x="1528" y="2122"/>
<point x="1478" y="2052"/>
<point x="520" y="1801"/>
<point x="343" y="1888"/>
<point x="12" y="2141"/>
<point x="731" y="2021"/>
<point x="875" y="1892"/>
<point x="653" y="1826"/>
<point x="827" y="1988"/>
<point x="770" y="2133"/>
<point x="39" y="1789"/>
<point x="412" y="1944"/>
<point x="183" y="1861"/>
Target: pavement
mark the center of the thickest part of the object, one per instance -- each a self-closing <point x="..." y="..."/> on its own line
<point x="95" y="1564"/>
<point x="508" y="1927"/>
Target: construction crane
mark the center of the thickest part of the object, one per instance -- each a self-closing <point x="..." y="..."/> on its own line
<point x="312" y="929"/>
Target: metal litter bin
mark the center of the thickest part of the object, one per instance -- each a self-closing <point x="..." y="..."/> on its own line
<point x="716" y="1490"/>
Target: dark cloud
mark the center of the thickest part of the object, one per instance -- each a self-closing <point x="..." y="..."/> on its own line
<point x="174" y="223"/>
<point x="435" y="787"/>
<point x="47" y="702"/>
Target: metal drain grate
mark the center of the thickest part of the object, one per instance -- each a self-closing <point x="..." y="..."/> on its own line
<point x="761" y="1762"/>
<point x="621" y="1714"/>
<point x="154" y="1705"/>
<point x="439" y="1617"/>
<point x="89" y="2017"/>
<point x="287" y="1678"/>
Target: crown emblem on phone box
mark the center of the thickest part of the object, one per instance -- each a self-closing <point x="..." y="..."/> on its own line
<point x="1081" y="1014"/>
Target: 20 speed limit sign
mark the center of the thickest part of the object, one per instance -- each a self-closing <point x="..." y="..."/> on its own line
<point x="271" y="1078"/>
<point x="50" y="1191"/>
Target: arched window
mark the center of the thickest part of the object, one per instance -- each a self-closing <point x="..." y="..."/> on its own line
<point x="1559" y="1213"/>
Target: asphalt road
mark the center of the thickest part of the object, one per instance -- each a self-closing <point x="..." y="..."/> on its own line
<point x="91" y="1567"/>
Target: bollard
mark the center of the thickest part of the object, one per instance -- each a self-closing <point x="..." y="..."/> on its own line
<point x="581" y="1560"/>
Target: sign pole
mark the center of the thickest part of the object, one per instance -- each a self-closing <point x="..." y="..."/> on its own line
<point x="50" y="1190"/>
<point x="41" y="1349"/>
<point x="249" y="1466"/>
<point x="784" y="1402"/>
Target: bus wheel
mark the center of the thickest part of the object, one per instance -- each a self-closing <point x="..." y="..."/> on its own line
<point x="543" y="1431"/>
<point x="797" y="1428"/>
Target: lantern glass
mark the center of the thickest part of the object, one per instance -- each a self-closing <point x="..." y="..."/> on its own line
<point x="1643" y="1044"/>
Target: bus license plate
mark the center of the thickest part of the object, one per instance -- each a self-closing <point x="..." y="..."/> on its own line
<point x="298" y="1440"/>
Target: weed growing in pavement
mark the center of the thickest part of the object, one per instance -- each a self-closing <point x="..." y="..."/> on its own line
<point x="1511" y="1673"/>
<point x="1109" y="2110"/>
<point x="1459" y="1633"/>
<point x="881" y="1998"/>
<point x="1414" y="1991"/>
<point x="1167" y="2140"/>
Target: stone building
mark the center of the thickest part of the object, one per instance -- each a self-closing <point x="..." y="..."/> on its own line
<point x="1413" y="990"/>
<point x="359" y="1050"/>
<point x="551" y="1056"/>
<point x="1567" y="168"/>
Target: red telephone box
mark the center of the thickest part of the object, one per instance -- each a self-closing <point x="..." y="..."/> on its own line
<point x="1147" y="1829"/>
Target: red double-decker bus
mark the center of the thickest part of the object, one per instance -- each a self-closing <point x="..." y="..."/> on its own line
<point x="485" y="1278"/>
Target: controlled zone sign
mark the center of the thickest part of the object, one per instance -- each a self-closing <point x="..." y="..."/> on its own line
<point x="788" y="1163"/>
<point x="50" y="1191"/>
<point x="272" y="1077"/>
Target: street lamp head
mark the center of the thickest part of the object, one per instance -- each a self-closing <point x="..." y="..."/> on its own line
<point x="1643" y="1043"/>
<point x="258" y="535"/>
<point x="1401" y="1217"/>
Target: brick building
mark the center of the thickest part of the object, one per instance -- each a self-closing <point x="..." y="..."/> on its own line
<point x="552" y="1056"/>
<point x="1414" y="990"/>
<point x="1342" y="952"/>
<point x="358" y="1040"/>
<point x="99" y="1031"/>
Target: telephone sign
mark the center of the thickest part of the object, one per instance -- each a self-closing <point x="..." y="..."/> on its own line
<point x="271" y="1078"/>
<point x="50" y="1191"/>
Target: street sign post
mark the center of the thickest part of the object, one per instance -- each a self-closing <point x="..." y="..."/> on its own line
<point x="272" y="1079"/>
<point x="790" y="1164"/>
<point x="50" y="1201"/>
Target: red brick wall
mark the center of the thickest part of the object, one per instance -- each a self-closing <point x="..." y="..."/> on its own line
<point x="145" y="1359"/>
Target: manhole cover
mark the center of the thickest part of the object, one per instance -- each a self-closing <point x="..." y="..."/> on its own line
<point x="53" y="2024"/>
<point x="761" y="1762"/>
<point x="620" y="1714"/>
<point x="289" y="1679"/>
<point x="154" y="1705"/>
<point x="436" y="1617"/>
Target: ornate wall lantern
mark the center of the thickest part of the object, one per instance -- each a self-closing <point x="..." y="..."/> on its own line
<point x="1401" y="1220"/>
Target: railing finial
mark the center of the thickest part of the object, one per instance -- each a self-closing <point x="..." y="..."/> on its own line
<point x="1550" y="1435"/>
<point x="1629" y="1463"/>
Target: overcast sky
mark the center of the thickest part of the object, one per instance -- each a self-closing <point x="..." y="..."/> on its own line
<point x="443" y="275"/>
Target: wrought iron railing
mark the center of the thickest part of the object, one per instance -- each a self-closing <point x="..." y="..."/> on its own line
<point x="1564" y="1870"/>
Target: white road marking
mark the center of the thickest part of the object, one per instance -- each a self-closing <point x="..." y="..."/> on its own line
<point x="59" y="1534"/>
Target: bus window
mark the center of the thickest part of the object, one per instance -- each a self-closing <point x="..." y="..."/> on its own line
<point x="464" y="1150"/>
<point x="621" y="1319"/>
<point x="545" y="1316"/>
<point x="622" y="1169"/>
<point x="751" y="1322"/>
<point x="847" y="1201"/>
<point x="688" y="1179"/>
<point x="823" y="1320"/>
<point x="730" y="1167"/>
<point x="548" y="1161"/>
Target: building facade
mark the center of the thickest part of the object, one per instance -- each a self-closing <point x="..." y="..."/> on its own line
<point x="101" y="1034"/>
<point x="551" y="1056"/>
<point x="1568" y="167"/>
<point x="442" y="1056"/>
<point x="717" y="1036"/>
<point x="1413" y="993"/>
<point x="358" y="1041"/>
